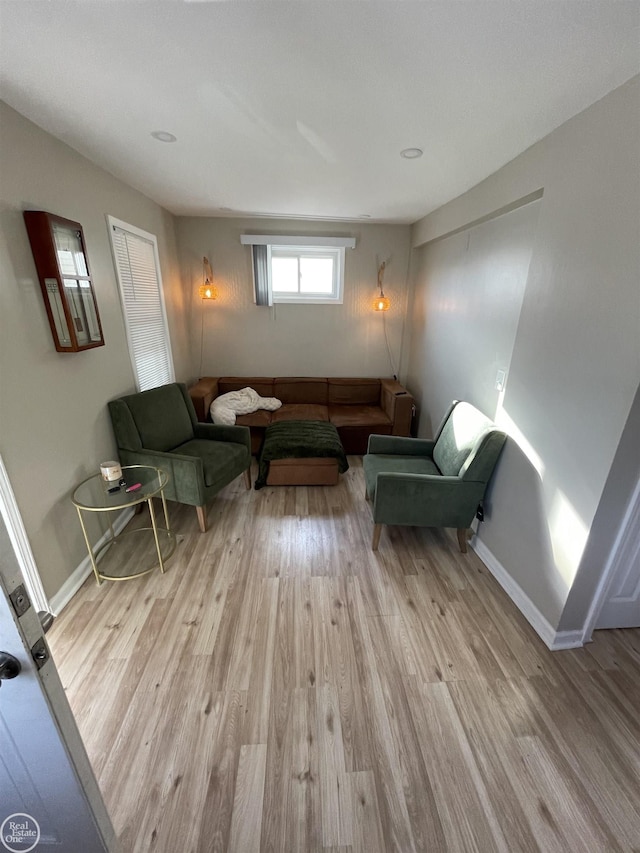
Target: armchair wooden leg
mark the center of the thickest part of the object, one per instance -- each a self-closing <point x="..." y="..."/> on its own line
<point x="463" y="535"/>
<point x="377" y="530"/>
<point x="247" y="478"/>
<point x="202" y="518"/>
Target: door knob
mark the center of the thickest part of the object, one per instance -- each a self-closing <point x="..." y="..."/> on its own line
<point x="9" y="666"/>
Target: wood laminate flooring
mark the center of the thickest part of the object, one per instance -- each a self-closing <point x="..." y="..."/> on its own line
<point x="284" y="688"/>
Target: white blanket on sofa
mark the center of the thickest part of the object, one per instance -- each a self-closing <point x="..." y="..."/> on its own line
<point x="225" y="407"/>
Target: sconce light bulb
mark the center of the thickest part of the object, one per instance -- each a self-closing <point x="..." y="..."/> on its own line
<point x="208" y="291"/>
<point x="381" y="303"/>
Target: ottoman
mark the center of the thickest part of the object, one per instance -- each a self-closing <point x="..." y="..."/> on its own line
<point x="301" y="453"/>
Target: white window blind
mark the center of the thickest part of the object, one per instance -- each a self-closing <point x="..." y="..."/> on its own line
<point x="138" y="270"/>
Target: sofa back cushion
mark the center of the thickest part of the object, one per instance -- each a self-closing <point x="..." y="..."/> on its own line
<point x="301" y="390"/>
<point x="354" y="392"/>
<point x="161" y="417"/>
<point x="262" y="384"/>
<point x="461" y="433"/>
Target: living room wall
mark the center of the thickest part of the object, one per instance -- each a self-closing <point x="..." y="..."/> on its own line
<point x="54" y="428"/>
<point x="575" y="359"/>
<point x="241" y="338"/>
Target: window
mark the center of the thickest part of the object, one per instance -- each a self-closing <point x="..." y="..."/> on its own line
<point x="135" y="254"/>
<point x="298" y="269"/>
<point x="306" y="274"/>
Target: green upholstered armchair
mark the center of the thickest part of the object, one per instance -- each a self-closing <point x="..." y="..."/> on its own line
<point x="159" y="427"/>
<point x="437" y="483"/>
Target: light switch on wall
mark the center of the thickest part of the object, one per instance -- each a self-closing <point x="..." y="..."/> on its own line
<point x="501" y="380"/>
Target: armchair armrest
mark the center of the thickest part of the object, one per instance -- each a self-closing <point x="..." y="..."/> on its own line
<point x="219" y="432"/>
<point x="160" y="456"/>
<point x="400" y="445"/>
<point x="427" y="500"/>
<point x="182" y="487"/>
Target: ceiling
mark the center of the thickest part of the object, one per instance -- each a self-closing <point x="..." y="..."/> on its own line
<point x="301" y="108"/>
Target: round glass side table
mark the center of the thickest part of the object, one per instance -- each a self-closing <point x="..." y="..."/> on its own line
<point x="92" y="495"/>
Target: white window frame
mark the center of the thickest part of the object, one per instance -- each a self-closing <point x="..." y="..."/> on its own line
<point x="300" y="247"/>
<point x="335" y="253"/>
<point x="142" y="382"/>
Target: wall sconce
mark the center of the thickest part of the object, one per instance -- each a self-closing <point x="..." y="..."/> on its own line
<point x="381" y="303"/>
<point x="207" y="290"/>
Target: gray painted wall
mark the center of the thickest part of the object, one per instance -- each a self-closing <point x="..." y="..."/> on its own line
<point x="575" y="359"/>
<point x="241" y="338"/>
<point x="465" y="321"/>
<point x="54" y="428"/>
<point x="618" y="491"/>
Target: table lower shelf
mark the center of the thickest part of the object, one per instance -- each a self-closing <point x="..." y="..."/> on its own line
<point x="133" y="553"/>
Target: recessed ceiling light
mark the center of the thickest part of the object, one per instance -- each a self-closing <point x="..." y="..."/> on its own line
<point x="411" y="153"/>
<point x="163" y="136"/>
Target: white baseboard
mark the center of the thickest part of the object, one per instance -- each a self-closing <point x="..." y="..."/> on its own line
<point x="73" y="583"/>
<point x="554" y="640"/>
<point x="568" y="640"/>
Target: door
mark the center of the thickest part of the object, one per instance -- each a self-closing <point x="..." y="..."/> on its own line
<point x="49" y="797"/>
<point x="621" y="607"/>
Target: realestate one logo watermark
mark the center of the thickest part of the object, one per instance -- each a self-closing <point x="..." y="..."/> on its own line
<point x="20" y="832"/>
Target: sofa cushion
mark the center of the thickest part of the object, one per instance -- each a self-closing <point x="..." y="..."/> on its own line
<point x="300" y="412"/>
<point x="262" y="384"/>
<point x="301" y="390"/>
<point x="161" y="417"/>
<point x="219" y="458"/>
<point x="343" y="416"/>
<point x="354" y="392"/>
<point x="261" y="418"/>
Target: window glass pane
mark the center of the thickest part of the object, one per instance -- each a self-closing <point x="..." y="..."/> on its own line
<point x="67" y="262"/>
<point x="69" y="250"/>
<point x="89" y="305"/>
<point x="311" y="274"/>
<point x="316" y="275"/>
<point x="284" y="275"/>
<point x="80" y="264"/>
<point x="53" y="293"/>
<point x="77" y="310"/>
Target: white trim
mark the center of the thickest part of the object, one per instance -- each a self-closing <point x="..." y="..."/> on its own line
<point x="73" y="583"/>
<point x="629" y="523"/>
<point x="276" y="240"/>
<point x="20" y="541"/>
<point x="554" y="640"/>
<point x="567" y="640"/>
<point x="133" y="229"/>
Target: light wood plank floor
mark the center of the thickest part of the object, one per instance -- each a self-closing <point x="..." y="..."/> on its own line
<point x="284" y="688"/>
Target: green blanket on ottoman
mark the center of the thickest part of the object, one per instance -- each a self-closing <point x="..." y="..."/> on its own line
<point x="299" y="440"/>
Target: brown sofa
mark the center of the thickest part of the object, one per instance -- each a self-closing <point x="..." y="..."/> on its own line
<point x="356" y="407"/>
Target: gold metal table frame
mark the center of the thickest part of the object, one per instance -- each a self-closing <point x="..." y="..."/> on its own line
<point x="91" y="495"/>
